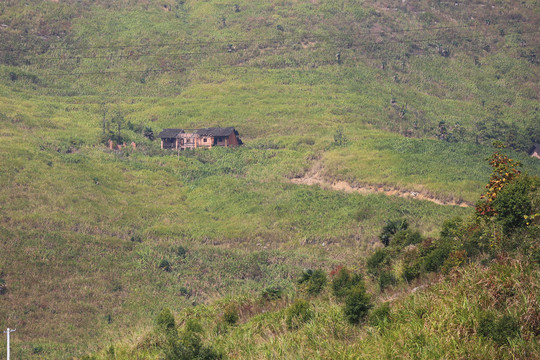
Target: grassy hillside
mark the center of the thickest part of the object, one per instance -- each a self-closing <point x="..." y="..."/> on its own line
<point x="420" y="91"/>
<point x="443" y="320"/>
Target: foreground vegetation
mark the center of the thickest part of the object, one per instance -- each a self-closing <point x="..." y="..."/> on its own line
<point x="472" y="292"/>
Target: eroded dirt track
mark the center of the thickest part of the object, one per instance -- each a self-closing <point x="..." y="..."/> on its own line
<point x="314" y="177"/>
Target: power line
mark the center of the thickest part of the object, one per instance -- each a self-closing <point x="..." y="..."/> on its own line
<point x="112" y="56"/>
<point x="184" y="69"/>
<point x="238" y="41"/>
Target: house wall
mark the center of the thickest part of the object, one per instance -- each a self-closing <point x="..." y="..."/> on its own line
<point x="208" y="143"/>
<point x="193" y="141"/>
<point x="232" y="140"/>
<point x="167" y="143"/>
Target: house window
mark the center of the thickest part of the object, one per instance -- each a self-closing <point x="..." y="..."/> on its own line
<point x="204" y="140"/>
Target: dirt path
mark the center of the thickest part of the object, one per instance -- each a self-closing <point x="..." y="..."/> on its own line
<point x="314" y="177"/>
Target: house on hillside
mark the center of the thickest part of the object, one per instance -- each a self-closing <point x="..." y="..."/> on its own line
<point x="199" y="138"/>
<point x="535" y="151"/>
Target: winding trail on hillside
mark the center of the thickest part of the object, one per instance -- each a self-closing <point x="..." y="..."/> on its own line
<point x="314" y="177"/>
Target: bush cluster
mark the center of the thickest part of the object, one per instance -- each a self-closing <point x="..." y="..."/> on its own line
<point x="230" y="314"/>
<point x="272" y="293"/>
<point x="312" y="281"/>
<point x="499" y="330"/>
<point x="298" y="313"/>
<point x="185" y="344"/>
<point x="357" y="304"/>
<point x="344" y="281"/>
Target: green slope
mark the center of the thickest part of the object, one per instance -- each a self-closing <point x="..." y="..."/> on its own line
<point x="83" y="229"/>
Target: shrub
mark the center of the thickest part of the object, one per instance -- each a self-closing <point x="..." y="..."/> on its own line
<point x="230" y="315"/>
<point x="272" y="293"/>
<point x="298" y="313"/>
<point x="376" y="260"/>
<point x="184" y="291"/>
<point x="189" y="346"/>
<point x="455" y="259"/>
<point x="181" y="252"/>
<point x="452" y="229"/>
<point x="357" y="304"/>
<point x="312" y="282"/>
<point x="514" y="203"/>
<point x="390" y="228"/>
<point x="165" y="265"/>
<point x="165" y="321"/>
<point x="344" y="281"/>
<point x="148" y="133"/>
<point x="386" y="279"/>
<point x="3" y="287"/>
<point x="406" y="237"/>
<point x="507" y="327"/>
<point x="379" y="315"/>
<point x="411" y="271"/>
<point x="339" y="137"/>
<point x="434" y="259"/>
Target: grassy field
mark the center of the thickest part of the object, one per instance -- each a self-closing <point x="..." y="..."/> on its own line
<point x="420" y="92"/>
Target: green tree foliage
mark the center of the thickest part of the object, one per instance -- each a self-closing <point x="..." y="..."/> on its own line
<point x="188" y="344"/>
<point x="344" y="281"/>
<point x="406" y="237"/>
<point x="148" y="133"/>
<point x="505" y="170"/>
<point x="379" y="315"/>
<point x="499" y="330"/>
<point x="514" y="203"/>
<point x="340" y="138"/>
<point x="165" y="322"/>
<point x="386" y="279"/>
<point x="357" y="304"/>
<point x="312" y="281"/>
<point x="376" y="260"/>
<point x="298" y="313"/>
<point x="230" y="314"/>
<point x="390" y="228"/>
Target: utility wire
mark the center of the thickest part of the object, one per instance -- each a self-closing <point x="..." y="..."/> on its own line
<point x="128" y="56"/>
<point x="239" y="41"/>
<point x="209" y="67"/>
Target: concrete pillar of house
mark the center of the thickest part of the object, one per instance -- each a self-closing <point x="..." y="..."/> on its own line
<point x="162" y="143"/>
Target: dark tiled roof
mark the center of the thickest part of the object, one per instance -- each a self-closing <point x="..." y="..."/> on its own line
<point x="215" y="131"/>
<point x="170" y="133"/>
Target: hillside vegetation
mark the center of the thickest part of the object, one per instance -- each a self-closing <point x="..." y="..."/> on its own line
<point x="472" y="292"/>
<point x="94" y="243"/>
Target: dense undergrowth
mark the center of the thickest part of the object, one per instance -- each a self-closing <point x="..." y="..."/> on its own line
<point x="472" y="292"/>
<point x="90" y="238"/>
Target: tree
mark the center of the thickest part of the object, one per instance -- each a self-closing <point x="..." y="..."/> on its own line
<point x="504" y="172"/>
<point x="357" y="304"/>
<point x="391" y="228"/>
<point x="148" y="133"/>
<point x="514" y="203"/>
<point x="339" y="137"/>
